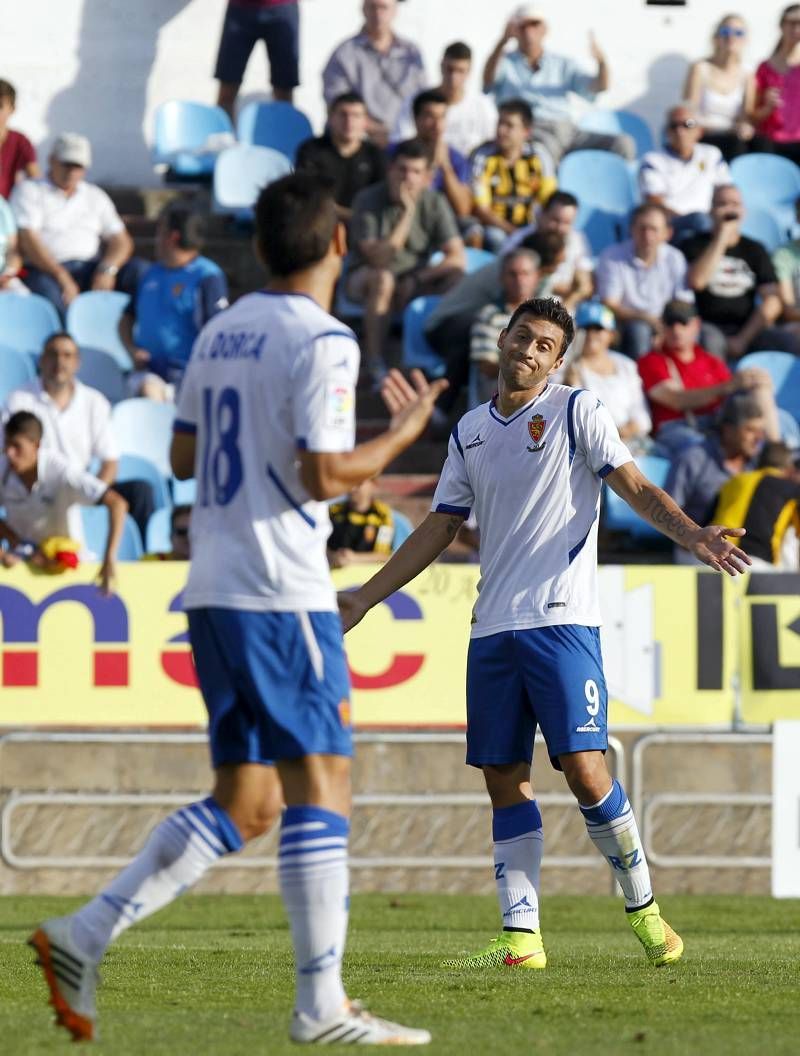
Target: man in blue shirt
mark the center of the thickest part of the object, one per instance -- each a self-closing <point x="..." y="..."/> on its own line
<point x="545" y="81"/>
<point x="175" y="299"/>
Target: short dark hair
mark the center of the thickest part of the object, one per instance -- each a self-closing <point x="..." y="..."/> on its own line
<point x="187" y="222"/>
<point x="413" y="149"/>
<point x="739" y="408"/>
<point x="23" y="423"/>
<point x="776" y="455"/>
<point x="178" y="511"/>
<point x="458" y="50"/>
<point x="550" y="310"/>
<point x="520" y="107"/>
<point x="561" y="198"/>
<point x="344" y="98"/>
<point x="57" y="335"/>
<point x="650" y="207"/>
<point x="547" y="245"/>
<point x="8" y="91"/>
<point x="295" y="222"/>
<point x="431" y="95"/>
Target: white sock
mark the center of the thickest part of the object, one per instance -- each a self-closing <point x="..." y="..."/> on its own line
<point x="177" y="853"/>
<point x="612" y="827"/>
<point x="312" y="867"/>
<point x="518" y="846"/>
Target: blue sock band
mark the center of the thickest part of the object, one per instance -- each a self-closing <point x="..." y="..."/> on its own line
<point x="613" y="806"/>
<point x="508" y="822"/>
<point x="226" y="826"/>
<point x="310" y="831"/>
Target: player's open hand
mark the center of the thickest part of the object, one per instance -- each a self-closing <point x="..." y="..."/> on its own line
<point x="410" y="402"/>
<point x="351" y="609"/>
<point x="711" y="547"/>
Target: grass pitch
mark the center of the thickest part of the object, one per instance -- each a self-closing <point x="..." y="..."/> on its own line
<point x="212" y="976"/>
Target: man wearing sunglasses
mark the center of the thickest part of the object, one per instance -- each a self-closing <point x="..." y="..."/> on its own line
<point x="682" y="177"/>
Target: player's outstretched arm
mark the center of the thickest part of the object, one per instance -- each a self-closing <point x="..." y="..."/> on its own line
<point x="708" y="545"/>
<point x="421" y="549"/>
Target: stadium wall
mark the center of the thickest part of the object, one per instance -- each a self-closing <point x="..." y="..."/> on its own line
<point x="101" y="67"/>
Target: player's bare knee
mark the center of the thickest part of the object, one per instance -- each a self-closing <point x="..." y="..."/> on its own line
<point x="508" y="784"/>
<point x="587" y="776"/>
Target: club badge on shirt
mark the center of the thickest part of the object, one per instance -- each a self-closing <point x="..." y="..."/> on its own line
<point x="536" y="427"/>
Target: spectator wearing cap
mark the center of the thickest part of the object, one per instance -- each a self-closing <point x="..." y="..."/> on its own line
<point x="546" y="81"/>
<point x="276" y="22"/>
<point x="71" y="235"/>
<point x="682" y="177"/>
<point x="175" y="299"/>
<point x="686" y="386"/>
<point x="17" y="154"/>
<point x="613" y="378"/>
<point x="384" y="69"/>
<point x="342" y="158"/>
<point x="735" y="284"/>
<point x="636" y="278"/>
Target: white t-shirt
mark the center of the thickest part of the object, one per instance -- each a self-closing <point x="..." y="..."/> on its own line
<point x="534" y="482"/>
<point x="621" y="392"/>
<point x="81" y="430"/>
<point x="50" y="507"/>
<point x="684" y="186"/>
<point x="577" y="253"/>
<point x="269" y="376"/>
<point x="467" y="124"/>
<point x="71" y="227"/>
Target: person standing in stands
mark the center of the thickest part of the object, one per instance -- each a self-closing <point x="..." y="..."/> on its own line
<point x="17" y="153"/>
<point x="277" y="23"/>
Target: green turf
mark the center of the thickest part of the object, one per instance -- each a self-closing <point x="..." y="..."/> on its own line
<point x="212" y="976"/>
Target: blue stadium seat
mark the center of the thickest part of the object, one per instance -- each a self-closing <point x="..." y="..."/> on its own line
<point x="241" y="172"/>
<point x="416" y="350"/>
<point x="158" y="533"/>
<point x="101" y="371"/>
<point x="784" y="369"/>
<point x="402" y="529"/>
<point x="768" y="181"/>
<point x="93" y="321"/>
<point x="16" y="370"/>
<point x="477" y="258"/>
<point x="184" y="492"/>
<point x="278" y="125"/>
<point x="144" y="427"/>
<point x="134" y="467"/>
<point x="26" y="322"/>
<point x="619" y="517"/>
<point x="615" y="122"/>
<point x="765" y="227"/>
<point x="602" y="184"/>
<point x="182" y="129"/>
<point x="95" y="531"/>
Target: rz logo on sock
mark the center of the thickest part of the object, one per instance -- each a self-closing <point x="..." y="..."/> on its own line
<point x="632" y="859"/>
<point x="498" y="870"/>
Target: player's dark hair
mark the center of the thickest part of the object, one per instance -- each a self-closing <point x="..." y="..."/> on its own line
<point x="187" y="222"/>
<point x="776" y="455"/>
<point x="551" y="311"/>
<point x="23" y="423"/>
<point x="8" y="91"/>
<point x="295" y="221"/>
<point x="561" y="198"/>
<point x="426" y="98"/>
<point x="413" y="149"/>
<point x="547" y="245"/>
<point x="520" y="107"/>
<point x="345" y="98"/>
<point x="458" y="50"/>
<point x="178" y="511"/>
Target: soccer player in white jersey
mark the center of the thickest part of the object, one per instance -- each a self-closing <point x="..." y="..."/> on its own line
<point x="265" y="422"/>
<point x="531" y="465"/>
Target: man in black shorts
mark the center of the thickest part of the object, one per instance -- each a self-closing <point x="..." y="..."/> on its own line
<point x="276" y="22"/>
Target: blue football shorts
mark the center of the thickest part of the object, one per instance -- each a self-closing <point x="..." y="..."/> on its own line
<point x="275" y="684"/>
<point x="550" y="677"/>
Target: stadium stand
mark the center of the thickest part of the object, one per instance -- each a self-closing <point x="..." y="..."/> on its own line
<point x="143" y="427"/>
<point x="619" y="122"/>
<point x="93" y="321"/>
<point x="95" y="530"/>
<point x="187" y="137"/>
<point x="241" y="172"/>
<point x="277" y="125"/>
<point x="26" y="321"/>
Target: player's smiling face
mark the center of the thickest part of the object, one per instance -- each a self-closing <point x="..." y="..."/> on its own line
<point x="529" y="351"/>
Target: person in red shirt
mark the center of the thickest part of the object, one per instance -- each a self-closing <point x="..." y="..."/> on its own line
<point x="17" y="155"/>
<point x="685" y="385"/>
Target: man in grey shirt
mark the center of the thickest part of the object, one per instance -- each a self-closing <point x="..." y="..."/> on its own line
<point x="396" y="226"/>
<point x="384" y="69"/>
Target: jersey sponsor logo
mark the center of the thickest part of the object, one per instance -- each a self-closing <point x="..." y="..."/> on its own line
<point x="588" y="727"/>
<point x="536" y="427"/>
<point x="523" y="906"/>
<point x="475" y="443"/>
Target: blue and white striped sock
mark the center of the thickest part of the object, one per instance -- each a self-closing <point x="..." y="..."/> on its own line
<point x="177" y="853"/>
<point x="613" y="830"/>
<point x="312" y="867"/>
<point x="518" y="846"/>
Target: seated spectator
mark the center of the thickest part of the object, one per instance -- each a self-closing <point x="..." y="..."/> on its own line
<point x="384" y="69"/>
<point x="699" y="472"/>
<point x="362" y="529"/>
<point x="471" y="116"/>
<point x="550" y="248"/>
<point x="611" y="377"/>
<point x="175" y="299"/>
<point x="545" y="81"/>
<point x="686" y="386"/>
<point x="735" y="285"/>
<point x="508" y="180"/>
<point x="76" y="421"/>
<point x="40" y="490"/>
<point x="519" y="281"/>
<point x="786" y="261"/>
<point x="450" y="171"/>
<point x="636" y="278"/>
<point x="17" y="155"/>
<point x="10" y="260"/>
<point x="722" y="90"/>
<point x="396" y="226"/>
<point x="766" y="503"/>
<point x="276" y="22"/>
<point x="341" y="157"/>
<point x="179" y="539"/>
<point x="776" y="112"/>
<point x="683" y="176"/>
<point x="71" y="235"/>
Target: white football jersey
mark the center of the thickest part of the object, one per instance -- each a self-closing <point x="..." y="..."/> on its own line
<point x="271" y="375"/>
<point x="533" y="481"/>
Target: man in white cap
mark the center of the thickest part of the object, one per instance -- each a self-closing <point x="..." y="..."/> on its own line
<point x="70" y="233"/>
<point x="545" y="81"/>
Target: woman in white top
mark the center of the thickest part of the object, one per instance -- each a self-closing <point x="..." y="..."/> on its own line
<point x="612" y="377"/>
<point x="723" y="91"/>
